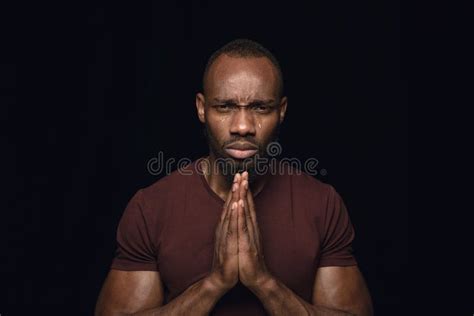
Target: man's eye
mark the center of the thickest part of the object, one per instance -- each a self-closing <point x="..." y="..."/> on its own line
<point x="262" y="108"/>
<point x="223" y="107"/>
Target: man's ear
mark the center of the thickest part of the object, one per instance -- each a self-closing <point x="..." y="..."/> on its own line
<point x="200" y="102"/>
<point x="283" y="104"/>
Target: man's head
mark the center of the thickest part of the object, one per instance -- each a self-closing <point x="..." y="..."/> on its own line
<point x="242" y="105"/>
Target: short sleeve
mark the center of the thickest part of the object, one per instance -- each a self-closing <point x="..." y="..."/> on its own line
<point x="135" y="251"/>
<point x="338" y="234"/>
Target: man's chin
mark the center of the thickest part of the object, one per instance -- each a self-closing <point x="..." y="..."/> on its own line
<point x="234" y="166"/>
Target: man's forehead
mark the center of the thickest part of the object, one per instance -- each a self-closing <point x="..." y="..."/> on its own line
<point x="238" y="67"/>
<point x="242" y="95"/>
<point x="242" y="77"/>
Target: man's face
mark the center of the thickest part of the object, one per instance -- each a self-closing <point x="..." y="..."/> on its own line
<point x="241" y="111"/>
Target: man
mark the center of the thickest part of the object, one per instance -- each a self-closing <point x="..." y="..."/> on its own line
<point x="226" y="239"/>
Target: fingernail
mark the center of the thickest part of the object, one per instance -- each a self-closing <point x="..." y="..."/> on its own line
<point x="234" y="205"/>
<point x="241" y="202"/>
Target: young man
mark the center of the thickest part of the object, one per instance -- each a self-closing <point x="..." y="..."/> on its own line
<point x="222" y="237"/>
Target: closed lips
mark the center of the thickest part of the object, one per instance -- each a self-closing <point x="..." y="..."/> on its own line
<point x="241" y="151"/>
<point x="246" y="146"/>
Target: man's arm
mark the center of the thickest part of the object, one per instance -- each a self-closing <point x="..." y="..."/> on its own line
<point x="343" y="288"/>
<point x="336" y="291"/>
<point x="141" y="293"/>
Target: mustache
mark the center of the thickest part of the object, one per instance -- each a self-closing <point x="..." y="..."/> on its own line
<point x="250" y="140"/>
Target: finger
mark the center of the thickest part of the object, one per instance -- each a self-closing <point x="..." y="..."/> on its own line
<point x="235" y="193"/>
<point x="245" y="241"/>
<point x="226" y="225"/>
<point x="245" y="175"/>
<point x="242" y="189"/>
<point x="234" y="187"/>
<point x="225" y="210"/>
<point x="228" y="200"/>
<point x="251" y="206"/>
<point x="253" y="217"/>
<point x="246" y="195"/>
<point x="231" y="234"/>
<point x="246" y="219"/>
<point x="250" y="226"/>
<point x="234" y="197"/>
<point x="231" y="195"/>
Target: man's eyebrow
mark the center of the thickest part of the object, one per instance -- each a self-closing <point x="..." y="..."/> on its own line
<point x="254" y="102"/>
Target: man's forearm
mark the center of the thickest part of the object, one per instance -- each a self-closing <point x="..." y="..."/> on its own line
<point x="280" y="300"/>
<point x="199" y="297"/>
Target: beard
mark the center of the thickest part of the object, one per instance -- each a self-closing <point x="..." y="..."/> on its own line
<point x="229" y="166"/>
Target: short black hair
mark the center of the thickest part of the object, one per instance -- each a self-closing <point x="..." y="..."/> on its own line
<point x="245" y="48"/>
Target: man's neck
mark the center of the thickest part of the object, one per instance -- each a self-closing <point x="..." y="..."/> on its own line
<point x="218" y="183"/>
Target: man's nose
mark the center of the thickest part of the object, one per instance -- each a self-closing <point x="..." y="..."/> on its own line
<point x="243" y="122"/>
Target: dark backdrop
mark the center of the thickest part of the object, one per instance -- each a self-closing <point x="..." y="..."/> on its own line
<point x="92" y="91"/>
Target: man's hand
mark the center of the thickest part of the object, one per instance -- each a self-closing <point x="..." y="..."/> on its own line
<point x="225" y="265"/>
<point x="237" y="251"/>
<point x="252" y="269"/>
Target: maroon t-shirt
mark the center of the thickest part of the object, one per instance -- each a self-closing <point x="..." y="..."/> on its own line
<point x="169" y="227"/>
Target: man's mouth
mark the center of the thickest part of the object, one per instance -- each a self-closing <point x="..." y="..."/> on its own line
<point x="241" y="150"/>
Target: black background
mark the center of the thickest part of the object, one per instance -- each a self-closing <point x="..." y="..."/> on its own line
<point x="92" y="91"/>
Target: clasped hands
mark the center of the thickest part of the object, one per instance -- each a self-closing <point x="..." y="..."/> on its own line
<point x="238" y="251"/>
